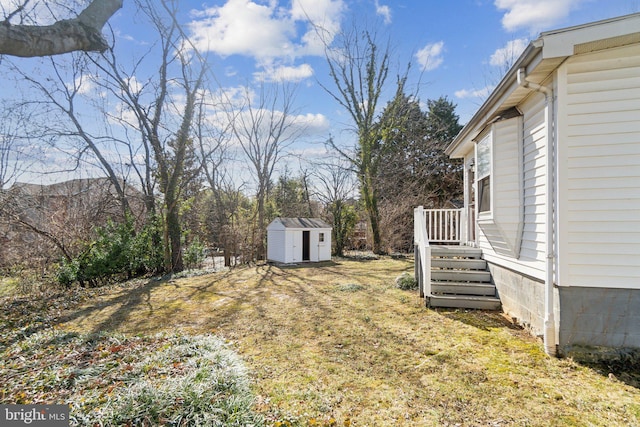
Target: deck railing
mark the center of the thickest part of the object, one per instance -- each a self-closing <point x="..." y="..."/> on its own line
<point x="434" y="226"/>
<point x="445" y="225"/>
<point x="422" y="250"/>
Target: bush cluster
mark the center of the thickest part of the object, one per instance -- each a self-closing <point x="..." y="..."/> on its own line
<point x="117" y="252"/>
<point x="194" y="254"/>
<point x="406" y="281"/>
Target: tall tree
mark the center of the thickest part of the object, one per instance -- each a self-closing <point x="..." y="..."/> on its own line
<point x="82" y="33"/>
<point x="415" y="170"/>
<point x="291" y="195"/>
<point x="213" y="138"/>
<point x="335" y="187"/>
<point x="165" y="112"/>
<point x="264" y="128"/>
<point x="359" y="67"/>
<point x="445" y="177"/>
<point x="403" y="127"/>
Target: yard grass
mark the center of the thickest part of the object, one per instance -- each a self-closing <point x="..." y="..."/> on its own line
<point x="337" y="344"/>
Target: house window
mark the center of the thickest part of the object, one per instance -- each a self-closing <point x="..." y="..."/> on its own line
<point x="321" y="237"/>
<point x="483" y="173"/>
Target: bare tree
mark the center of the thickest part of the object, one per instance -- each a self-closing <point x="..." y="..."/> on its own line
<point x="335" y="187"/>
<point x="264" y="128"/>
<point x="60" y="94"/>
<point x="155" y="139"/>
<point x="164" y="109"/>
<point x="82" y="33"/>
<point x="213" y="138"/>
<point x="359" y="67"/>
<point x="15" y="154"/>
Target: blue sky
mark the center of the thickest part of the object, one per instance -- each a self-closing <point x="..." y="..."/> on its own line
<point x="457" y="48"/>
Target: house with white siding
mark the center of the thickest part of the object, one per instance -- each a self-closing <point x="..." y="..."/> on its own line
<point x="294" y="240"/>
<point x="552" y="192"/>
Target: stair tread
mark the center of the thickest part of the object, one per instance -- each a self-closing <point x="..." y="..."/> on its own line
<point x="480" y="276"/>
<point x="459" y="251"/>
<point x="467" y="297"/>
<point x="483" y="285"/>
<point x="464" y="301"/>
<point x="459" y="264"/>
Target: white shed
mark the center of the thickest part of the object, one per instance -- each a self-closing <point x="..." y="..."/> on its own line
<point x="291" y="240"/>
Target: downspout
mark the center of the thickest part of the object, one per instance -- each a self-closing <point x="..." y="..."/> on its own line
<point x="550" y="342"/>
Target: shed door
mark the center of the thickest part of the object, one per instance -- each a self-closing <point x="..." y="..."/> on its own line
<point x="306" y="245"/>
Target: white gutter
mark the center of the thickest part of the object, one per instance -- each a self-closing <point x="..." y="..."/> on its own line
<point x="550" y="341"/>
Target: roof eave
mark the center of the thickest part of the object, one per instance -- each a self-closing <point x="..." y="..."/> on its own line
<point x="508" y="83"/>
<point x="542" y="57"/>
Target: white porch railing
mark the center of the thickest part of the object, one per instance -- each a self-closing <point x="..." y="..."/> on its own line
<point x="434" y="226"/>
<point x="446" y="225"/>
<point x="422" y="251"/>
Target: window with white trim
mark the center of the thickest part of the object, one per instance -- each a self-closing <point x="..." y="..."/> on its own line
<point x="483" y="173"/>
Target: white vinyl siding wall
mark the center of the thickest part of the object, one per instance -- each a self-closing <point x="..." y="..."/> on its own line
<point x="532" y="250"/>
<point x="600" y="178"/>
<point x="502" y="227"/>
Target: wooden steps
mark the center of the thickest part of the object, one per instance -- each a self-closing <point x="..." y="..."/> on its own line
<point x="460" y="279"/>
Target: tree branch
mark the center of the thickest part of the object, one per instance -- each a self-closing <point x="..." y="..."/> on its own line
<point x="83" y="33"/>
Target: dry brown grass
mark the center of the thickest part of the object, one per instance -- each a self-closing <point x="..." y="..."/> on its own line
<point x="337" y="344"/>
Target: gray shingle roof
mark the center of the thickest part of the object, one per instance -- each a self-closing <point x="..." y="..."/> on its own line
<point x="303" y="223"/>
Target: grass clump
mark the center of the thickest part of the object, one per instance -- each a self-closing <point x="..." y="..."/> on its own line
<point x="109" y="379"/>
<point x="406" y="282"/>
<point x="350" y="287"/>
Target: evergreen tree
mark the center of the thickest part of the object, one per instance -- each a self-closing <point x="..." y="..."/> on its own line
<point x="414" y="170"/>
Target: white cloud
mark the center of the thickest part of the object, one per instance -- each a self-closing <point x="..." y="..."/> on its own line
<point x="474" y="93"/>
<point x="506" y="56"/>
<point x="534" y="15"/>
<point x="284" y="73"/>
<point x="314" y="124"/>
<point x="384" y="11"/>
<point x="243" y="27"/>
<point x="83" y="84"/>
<point x="266" y="31"/>
<point x="323" y="23"/>
<point x="430" y="56"/>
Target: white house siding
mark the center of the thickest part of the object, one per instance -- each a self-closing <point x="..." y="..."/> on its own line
<point x="532" y="250"/>
<point x="531" y="255"/>
<point x="507" y="186"/>
<point x="599" y="180"/>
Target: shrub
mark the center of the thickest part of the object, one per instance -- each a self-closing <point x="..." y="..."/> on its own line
<point x="406" y="281"/>
<point x="194" y="254"/>
<point x="117" y="252"/>
<point x="67" y="273"/>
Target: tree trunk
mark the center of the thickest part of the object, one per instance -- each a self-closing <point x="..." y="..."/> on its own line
<point x="174" y="235"/>
<point x="371" y="206"/>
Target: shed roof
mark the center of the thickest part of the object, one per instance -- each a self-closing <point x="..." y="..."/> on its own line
<point x="302" y="222"/>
